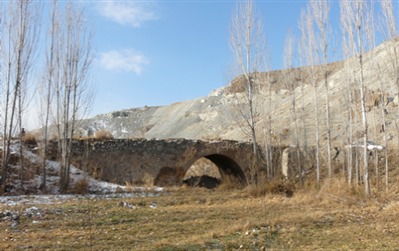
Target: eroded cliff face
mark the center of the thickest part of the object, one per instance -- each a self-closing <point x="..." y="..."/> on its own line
<point x="219" y="115"/>
<point x="209" y="117"/>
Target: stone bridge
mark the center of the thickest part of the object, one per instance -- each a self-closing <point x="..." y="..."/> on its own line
<point x="164" y="161"/>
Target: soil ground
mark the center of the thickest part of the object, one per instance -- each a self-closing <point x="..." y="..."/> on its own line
<point x="334" y="217"/>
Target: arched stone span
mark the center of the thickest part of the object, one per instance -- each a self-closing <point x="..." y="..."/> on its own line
<point x="226" y="165"/>
<point x="129" y="160"/>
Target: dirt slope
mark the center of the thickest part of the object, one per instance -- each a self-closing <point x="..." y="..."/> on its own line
<point x="217" y="116"/>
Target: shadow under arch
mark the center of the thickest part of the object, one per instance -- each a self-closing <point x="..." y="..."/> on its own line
<point x="226" y="166"/>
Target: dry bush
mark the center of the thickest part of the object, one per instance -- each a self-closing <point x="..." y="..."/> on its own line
<point x="148" y="180"/>
<point x="339" y="190"/>
<point x="336" y="186"/>
<point x="95" y="171"/>
<point x="393" y="156"/>
<point x="30" y="138"/>
<point x="236" y="86"/>
<point x="81" y="187"/>
<point x="129" y="186"/>
<point x="385" y="198"/>
<point x="144" y="184"/>
<point x="284" y="187"/>
<point x="281" y="187"/>
<point x="257" y="190"/>
<point x="230" y="183"/>
<point x="103" y="134"/>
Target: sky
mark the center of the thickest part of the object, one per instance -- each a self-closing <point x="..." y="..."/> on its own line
<point x="150" y="53"/>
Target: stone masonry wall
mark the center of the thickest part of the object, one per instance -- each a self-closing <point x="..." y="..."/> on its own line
<point x="125" y="160"/>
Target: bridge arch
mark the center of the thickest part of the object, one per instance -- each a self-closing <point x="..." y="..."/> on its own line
<point x="226" y="165"/>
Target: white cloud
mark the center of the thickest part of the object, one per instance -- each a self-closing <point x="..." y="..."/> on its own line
<point x="131" y="13"/>
<point x="123" y="60"/>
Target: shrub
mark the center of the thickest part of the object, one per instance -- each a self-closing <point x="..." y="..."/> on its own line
<point x="257" y="190"/>
<point x="103" y="134"/>
<point x="30" y="138"/>
<point x="230" y="183"/>
<point x="281" y="187"/>
<point x="339" y="190"/>
<point x="148" y="180"/>
<point x="81" y="187"/>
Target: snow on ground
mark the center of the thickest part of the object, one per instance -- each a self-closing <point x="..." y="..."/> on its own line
<point x="95" y="188"/>
<point x="60" y="198"/>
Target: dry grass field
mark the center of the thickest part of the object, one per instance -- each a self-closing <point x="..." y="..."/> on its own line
<point x="336" y="217"/>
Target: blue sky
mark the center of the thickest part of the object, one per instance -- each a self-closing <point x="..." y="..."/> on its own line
<point x="160" y="52"/>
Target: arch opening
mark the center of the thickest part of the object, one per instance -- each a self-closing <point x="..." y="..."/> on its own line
<point x="213" y="166"/>
<point x="203" y="166"/>
<point x="227" y="166"/>
<point x="203" y="173"/>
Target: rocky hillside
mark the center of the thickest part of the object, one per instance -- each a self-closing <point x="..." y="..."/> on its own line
<point x="218" y="115"/>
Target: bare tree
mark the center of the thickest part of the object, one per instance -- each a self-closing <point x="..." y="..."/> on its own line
<point x="247" y="43"/>
<point x="348" y="99"/>
<point x="370" y="43"/>
<point x="302" y="61"/>
<point x="390" y="32"/>
<point x="46" y="90"/>
<point x="388" y="23"/>
<point x="384" y="131"/>
<point x="267" y="121"/>
<point x="73" y="94"/>
<point x="308" y="48"/>
<point x="353" y="114"/>
<point x="18" y="48"/>
<point x="291" y="85"/>
<point x="354" y="16"/>
<point x="320" y="12"/>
